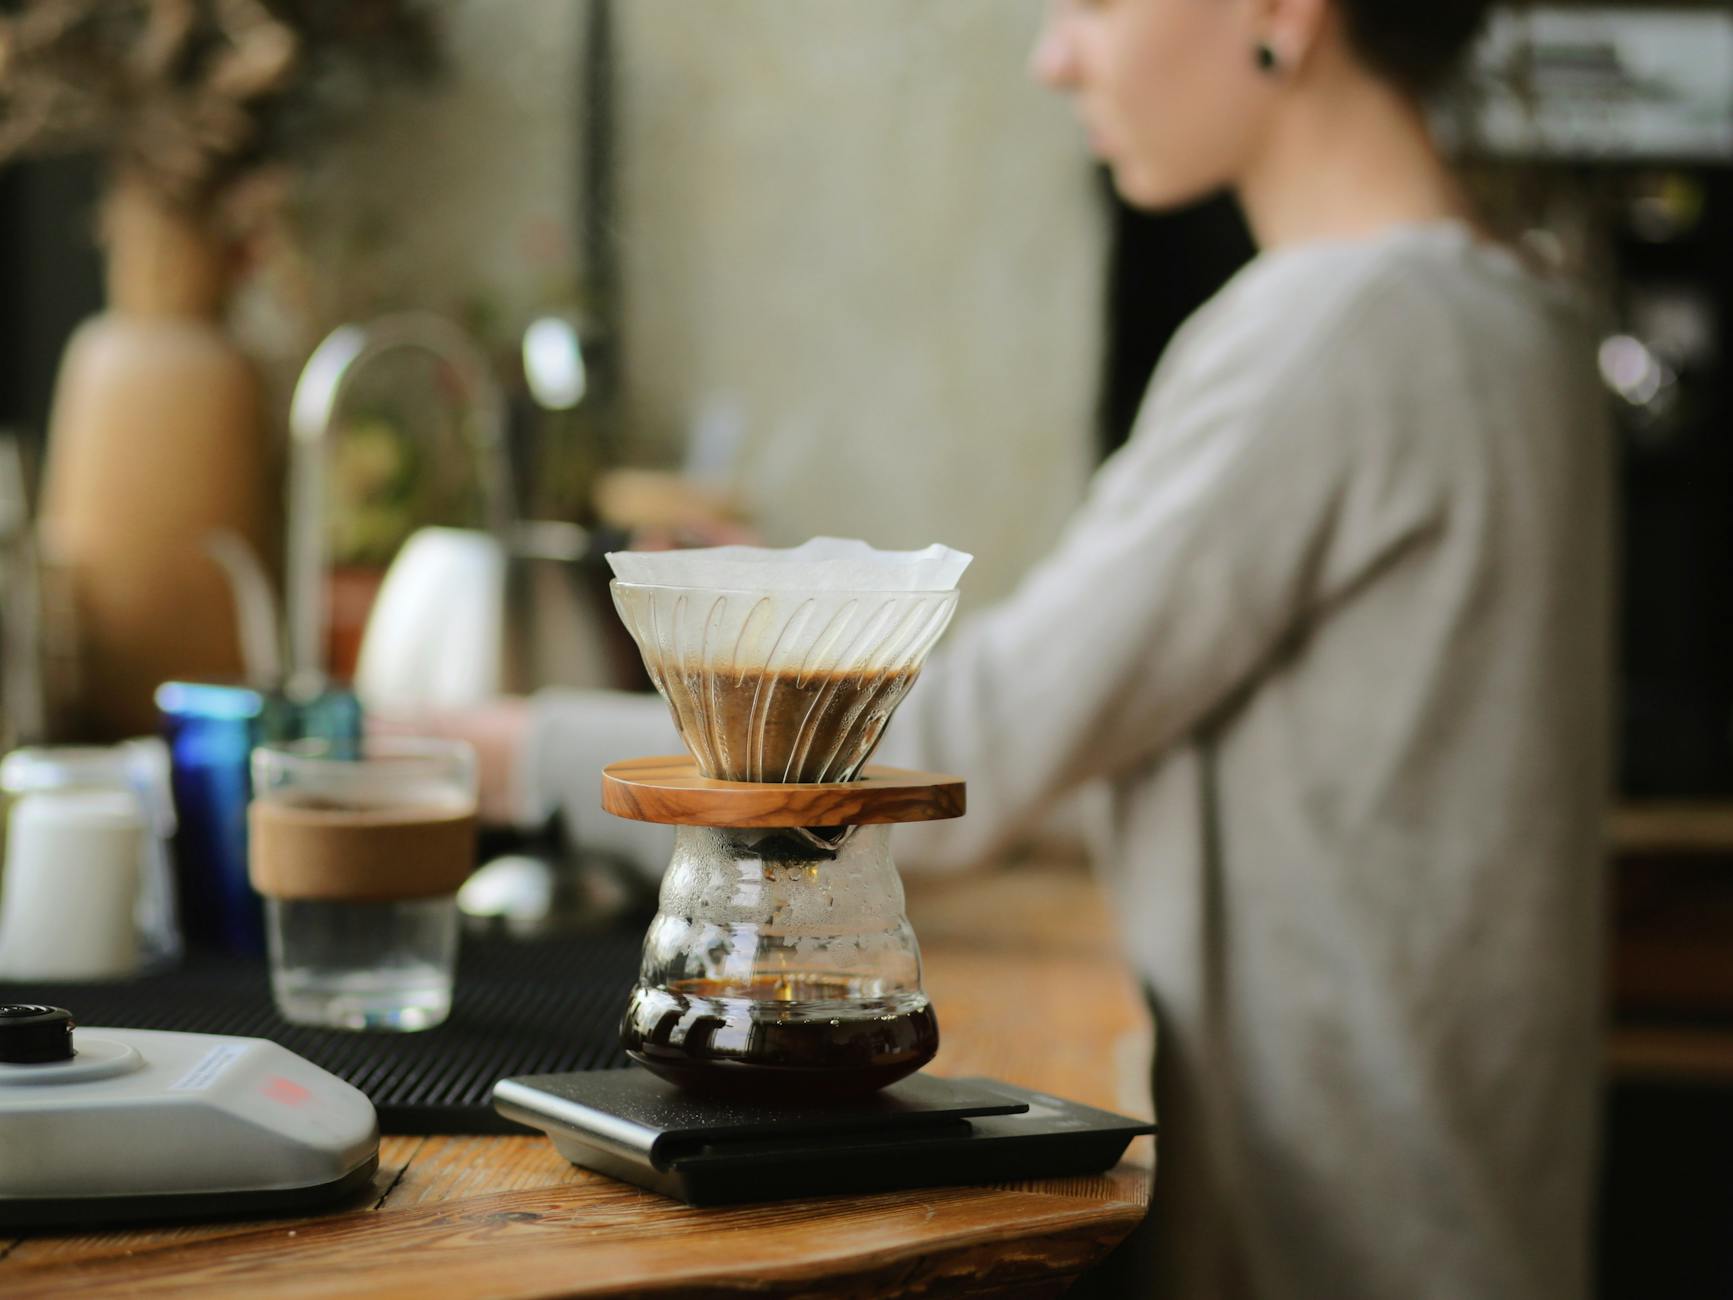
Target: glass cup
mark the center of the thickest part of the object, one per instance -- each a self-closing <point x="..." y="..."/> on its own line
<point x="359" y="860"/>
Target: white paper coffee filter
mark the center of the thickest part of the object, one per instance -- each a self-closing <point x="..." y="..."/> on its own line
<point x="822" y="564"/>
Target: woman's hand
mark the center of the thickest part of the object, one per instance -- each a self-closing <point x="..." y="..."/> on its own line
<point x="497" y="730"/>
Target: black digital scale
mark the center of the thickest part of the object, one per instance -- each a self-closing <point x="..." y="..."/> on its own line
<point x="921" y="1132"/>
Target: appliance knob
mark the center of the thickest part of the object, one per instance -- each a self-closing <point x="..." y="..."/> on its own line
<point x="34" y="1035"/>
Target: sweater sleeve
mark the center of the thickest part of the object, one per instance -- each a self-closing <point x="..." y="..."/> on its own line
<point x="1265" y="480"/>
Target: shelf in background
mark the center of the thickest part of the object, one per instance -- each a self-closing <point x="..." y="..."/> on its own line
<point x="1669" y="1054"/>
<point x="1697" y="827"/>
<point x="1671" y="962"/>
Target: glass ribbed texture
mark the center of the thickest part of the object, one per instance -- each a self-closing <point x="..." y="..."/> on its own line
<point x="783" y="686"/>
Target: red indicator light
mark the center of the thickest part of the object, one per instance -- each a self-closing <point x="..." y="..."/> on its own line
<point x="287" y="1091"/>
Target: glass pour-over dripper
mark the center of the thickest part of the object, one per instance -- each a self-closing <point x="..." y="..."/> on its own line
<point x="792" y="677"/>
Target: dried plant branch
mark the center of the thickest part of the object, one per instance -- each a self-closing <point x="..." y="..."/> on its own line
<point x="189" y="95"/>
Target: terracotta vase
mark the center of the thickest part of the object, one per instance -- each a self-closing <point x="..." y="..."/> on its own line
<point x="156" y="440"/>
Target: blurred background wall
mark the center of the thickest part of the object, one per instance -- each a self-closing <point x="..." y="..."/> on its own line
<point x="857" y="237"/>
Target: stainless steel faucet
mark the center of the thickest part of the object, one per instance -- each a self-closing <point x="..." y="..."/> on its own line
<point x="317" y="402"/>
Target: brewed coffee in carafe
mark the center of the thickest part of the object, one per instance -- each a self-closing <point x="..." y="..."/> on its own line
<point x="780" y="964"/>
<point x="778" y="968"/>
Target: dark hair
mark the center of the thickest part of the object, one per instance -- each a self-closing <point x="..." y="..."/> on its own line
<point x="1416" y="45"/>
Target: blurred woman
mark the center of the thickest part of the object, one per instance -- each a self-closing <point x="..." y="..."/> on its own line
<point x="1332" y="628"/>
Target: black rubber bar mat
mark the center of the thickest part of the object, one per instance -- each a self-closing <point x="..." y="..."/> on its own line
<point x="541" y="1007"/>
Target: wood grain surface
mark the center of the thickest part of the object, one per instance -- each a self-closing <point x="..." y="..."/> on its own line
<point x="671" y="791"/>
<point x="1028" y="988"/>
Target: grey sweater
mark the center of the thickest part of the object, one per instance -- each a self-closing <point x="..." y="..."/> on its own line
<point x="1333" y="629"/>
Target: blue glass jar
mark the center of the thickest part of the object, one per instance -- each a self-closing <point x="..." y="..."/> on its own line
<point x="211" y="729"/>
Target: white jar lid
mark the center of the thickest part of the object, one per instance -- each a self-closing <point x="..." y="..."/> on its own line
<point x="108" y="809"/>
<point x="138" y="768"/>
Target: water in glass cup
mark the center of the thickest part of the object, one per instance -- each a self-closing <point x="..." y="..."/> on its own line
<point x="383" y="965"/>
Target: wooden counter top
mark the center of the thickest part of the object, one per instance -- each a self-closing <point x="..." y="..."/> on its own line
<point x="1022" y="970"/>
